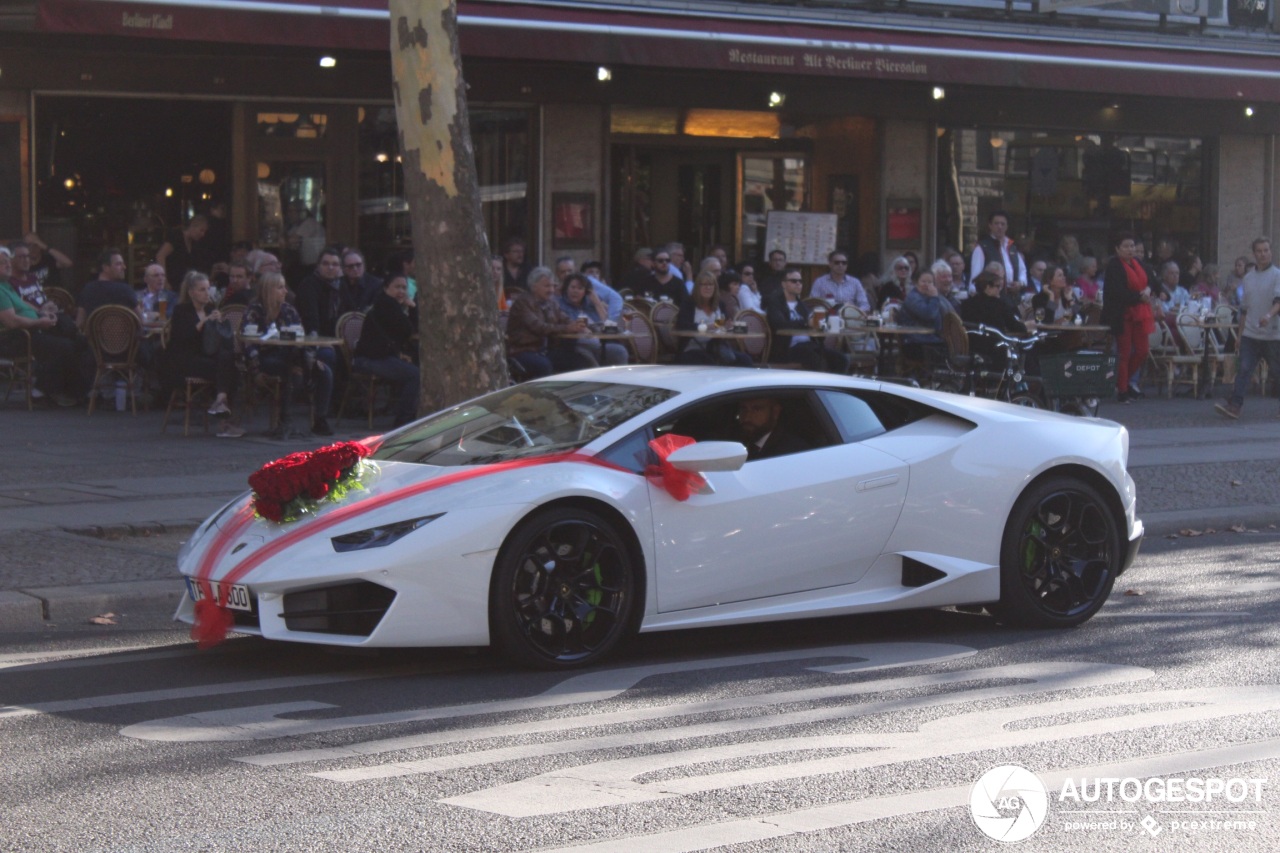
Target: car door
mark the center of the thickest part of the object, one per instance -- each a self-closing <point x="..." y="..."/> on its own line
<point x="809" y="520"/>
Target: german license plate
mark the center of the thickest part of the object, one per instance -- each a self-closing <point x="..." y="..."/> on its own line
<point x="232" y="596"/>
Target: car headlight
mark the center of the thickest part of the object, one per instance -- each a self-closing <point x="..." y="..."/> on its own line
<point x="377" y="537"/>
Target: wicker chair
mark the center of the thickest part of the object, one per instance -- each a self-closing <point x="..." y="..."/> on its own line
<point x="663" y="318"/>
<point x="19" y="369"/>
<point x="65" y="301"/>
<point x="196" y="392"/>
<point x="757" y="348"/>
<point x="349" y="327"/>
<point x="113" y="333"/>
<point x="643" y="340"/>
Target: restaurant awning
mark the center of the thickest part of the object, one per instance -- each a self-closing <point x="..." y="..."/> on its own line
<point x="706" y="41"/>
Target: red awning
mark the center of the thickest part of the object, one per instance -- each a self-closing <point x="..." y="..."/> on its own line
<point x="702" y="42"/>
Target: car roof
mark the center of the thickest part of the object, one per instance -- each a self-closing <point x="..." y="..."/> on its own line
<point x="710" y="379"/>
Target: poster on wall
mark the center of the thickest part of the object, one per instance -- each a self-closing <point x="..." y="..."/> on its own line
<point x="807" y="238"/>
<point x="903" y="222"/>
<point x="573" y="217"/>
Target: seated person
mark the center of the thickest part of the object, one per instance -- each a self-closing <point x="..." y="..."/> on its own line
<point x="533" y="319"/>
<point x="923" y="307"/>
<point x="759" y="430"/>
<point x="986" y="307"/>
<point x="57" y="371"/>
<point x="579" y="300"/>
<point x="386" y="345"/>
<point x="109" y="288"/>
<point x="703" y="309"/>
<point x="156" y="287"/>
<point x="289" y="364"/>
<point x="186" y="356"/>
<point x="785" y="311"/>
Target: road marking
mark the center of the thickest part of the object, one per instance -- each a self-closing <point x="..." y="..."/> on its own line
<point x="1173" y="614"/>
<point x="35" y="661"/>
<point x="1040" y="678"/>
<point x="852" y="812"/>
<point x="179" y="693"/>
<point x="263" y="721"/>
<point x="610" y="783"/>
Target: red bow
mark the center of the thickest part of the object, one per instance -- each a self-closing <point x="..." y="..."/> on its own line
<point x="679" y="484"/>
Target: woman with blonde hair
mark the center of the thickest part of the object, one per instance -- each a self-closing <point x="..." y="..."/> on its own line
<point x="289" y="364"/>
<point x="186" y="351"/>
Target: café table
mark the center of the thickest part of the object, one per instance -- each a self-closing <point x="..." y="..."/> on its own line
<point x="623" y="335"/>
<point x="720" y="335"/>
<point x="300" y="341"/>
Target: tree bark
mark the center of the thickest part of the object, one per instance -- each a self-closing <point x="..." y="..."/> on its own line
<point x="462" y="351"/>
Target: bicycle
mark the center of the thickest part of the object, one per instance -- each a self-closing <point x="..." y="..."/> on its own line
<point x="1011" y="382"/>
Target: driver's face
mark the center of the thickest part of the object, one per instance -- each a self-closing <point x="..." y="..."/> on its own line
<point x="758" y="417"/>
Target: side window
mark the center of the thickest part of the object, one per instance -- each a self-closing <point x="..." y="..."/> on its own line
<point x="786" y="421"/>
<point x="854" y="417"/>
<point x="632" y="452"/>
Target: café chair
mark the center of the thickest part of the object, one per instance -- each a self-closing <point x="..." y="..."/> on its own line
<point x="757" y="348"/>
<point x="663" y="317"/>
<point x="19" y="370"/>
<point x="349" y="327"/>
<point x="643" y="340"/>
<point x="114" y="332"/>
<point x="64" y="300"/>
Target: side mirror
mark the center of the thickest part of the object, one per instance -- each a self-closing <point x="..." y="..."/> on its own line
<point x="709" y="456"/>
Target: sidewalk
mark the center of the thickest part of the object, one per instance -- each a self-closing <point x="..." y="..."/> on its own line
<point x="116" y="475"/>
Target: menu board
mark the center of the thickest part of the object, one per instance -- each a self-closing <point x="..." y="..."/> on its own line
<point x="807" y="238"/>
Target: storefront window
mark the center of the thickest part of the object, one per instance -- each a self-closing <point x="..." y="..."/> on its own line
<point x="769" y="182"/>
<point x="124" y="172"/>
<point x="501" y="139"/>
<point x="1086" y="185"/>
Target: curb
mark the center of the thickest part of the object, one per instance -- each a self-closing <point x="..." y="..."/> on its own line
<point x="1252" y="516"/>
<point x="23" y="610"/>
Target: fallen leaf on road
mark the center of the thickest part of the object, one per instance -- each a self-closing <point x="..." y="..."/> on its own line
<point x="1134" y="592"/>
<point x="1209" y="530"/>
<point x="102" y="620"/>
<point x="1236" y="483"/>
<point x="1190" y="532"/>
<point x="1171" y="536"/>
<point x="1236" y="528"/>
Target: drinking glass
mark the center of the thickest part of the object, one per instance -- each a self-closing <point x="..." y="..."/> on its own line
<point x="1039" y="315"/>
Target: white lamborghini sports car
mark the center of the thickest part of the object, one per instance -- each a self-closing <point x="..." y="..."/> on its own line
<point x="555" y="518"/>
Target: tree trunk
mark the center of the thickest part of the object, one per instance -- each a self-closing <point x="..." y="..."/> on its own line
<point x="462" y="352"/>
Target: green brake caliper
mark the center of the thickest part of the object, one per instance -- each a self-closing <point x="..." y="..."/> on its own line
<point x="594" y="596"/>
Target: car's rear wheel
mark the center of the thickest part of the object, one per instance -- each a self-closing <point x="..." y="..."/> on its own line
<point x="1060" y="555"/>
<point x="564" y="590"/>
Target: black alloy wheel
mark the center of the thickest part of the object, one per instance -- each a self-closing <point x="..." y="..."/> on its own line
<point x="1060" y="556"/>
<point x="564" y="590"/>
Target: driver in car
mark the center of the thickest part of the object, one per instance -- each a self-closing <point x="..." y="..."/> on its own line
<point x="758" y="425"/>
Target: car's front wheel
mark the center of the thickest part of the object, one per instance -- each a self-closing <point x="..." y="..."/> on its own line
<point x="1060" y="555"/>
<point x="564" y="590"/>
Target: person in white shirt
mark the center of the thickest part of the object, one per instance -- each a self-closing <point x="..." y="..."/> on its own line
<point x="749" y="294"/>
<point x="997" y="246"/>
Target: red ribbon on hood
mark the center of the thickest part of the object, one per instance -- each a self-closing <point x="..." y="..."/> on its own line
<point x="213" y="620"/>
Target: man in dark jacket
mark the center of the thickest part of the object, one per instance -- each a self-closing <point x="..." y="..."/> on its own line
<point x="786" y="312"/>
<point x="386" y="346"/>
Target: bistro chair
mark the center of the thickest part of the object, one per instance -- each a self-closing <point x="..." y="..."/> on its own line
<point x="65" y="301"/>
<point x="349" y="327"/>
<point x="19" y="369"/>
<point x="757" y="348"/>
<point x="643" y="340"/>
<point x="663" y="317"/>
<point x="114" y="332"/>
<point x="196" y="392"/>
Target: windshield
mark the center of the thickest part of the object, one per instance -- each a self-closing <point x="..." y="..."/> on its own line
<point x="521" y="422"/>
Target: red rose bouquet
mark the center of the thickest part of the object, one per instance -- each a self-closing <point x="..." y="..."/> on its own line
<point x="288" y="488"/>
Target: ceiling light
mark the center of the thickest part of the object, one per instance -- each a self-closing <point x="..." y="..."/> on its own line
<point x="168" y="193"/>
<point x="939" y="93"/>
<point x="1248" y="111"/>
<point x="328" y="62"/>
<point x="777" y="99"/>
<point x="997" y="142"/>
<point x="603" y="74"/>
<point x="381" y="157"/>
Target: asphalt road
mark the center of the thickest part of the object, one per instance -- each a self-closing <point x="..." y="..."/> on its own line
<point x="843" y="734"/>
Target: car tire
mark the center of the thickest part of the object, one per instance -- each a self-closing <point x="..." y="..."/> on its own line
<point x="1028" y="400"/>
<point x="1060" y="556"/>
<point x="564" y="590"/>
